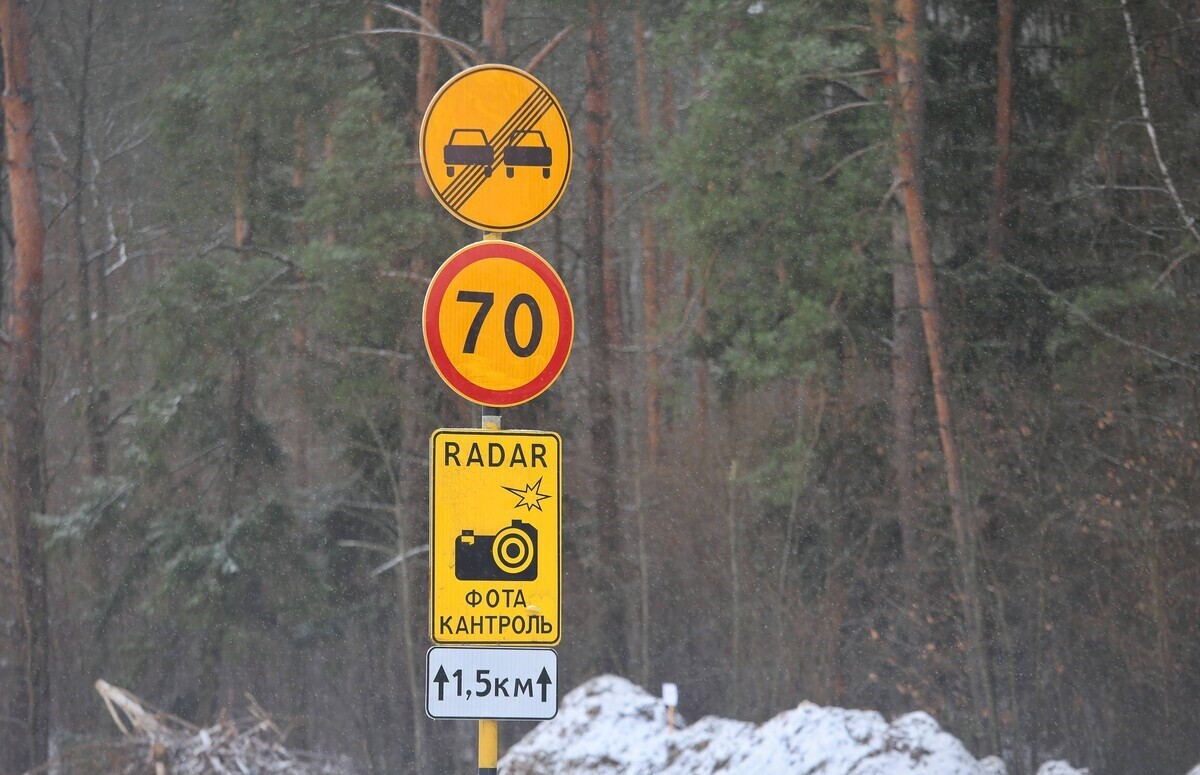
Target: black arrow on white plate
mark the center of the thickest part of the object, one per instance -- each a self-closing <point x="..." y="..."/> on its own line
<point x="441" y="679"/>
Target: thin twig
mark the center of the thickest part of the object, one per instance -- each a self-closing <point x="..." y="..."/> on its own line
<point x="547" y="49"/>
<point x="451" y="45"/>
<point x="1091" y="322"/>
<point x="846" y="160"/>
<point x="632" y="199"/>
<point x="1188" y="221"/>
<point x="399" y="559"/>
<point x="836" y="109"/>
<point x="255" y="250"/>
<point x="429" y="27"/>
<point x="264" y="285"/>
<point x="879" y="210"/>
<point x="1171" y="267"/>
<point x="350" y="543"/>
<point x="376" y="352"/>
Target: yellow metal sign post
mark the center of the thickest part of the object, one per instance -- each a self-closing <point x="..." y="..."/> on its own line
<point x="495" y="538"/>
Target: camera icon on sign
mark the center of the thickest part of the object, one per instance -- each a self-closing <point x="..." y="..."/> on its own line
<point x="509" y="555"/>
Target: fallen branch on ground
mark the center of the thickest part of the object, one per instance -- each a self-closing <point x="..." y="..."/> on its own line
<point x="172" y="746"/>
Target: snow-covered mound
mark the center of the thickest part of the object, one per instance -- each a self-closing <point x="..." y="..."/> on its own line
<point x="609" y="726"/>
<point x="1060" y="768"/>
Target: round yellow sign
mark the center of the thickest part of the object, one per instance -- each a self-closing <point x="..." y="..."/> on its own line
<point x="498" y="323"/>
<point x="496" y="148"/>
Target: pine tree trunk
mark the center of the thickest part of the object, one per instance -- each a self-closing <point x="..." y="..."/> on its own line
<point x="648" y="456"/>
<point x="649" y="249"/>
<point x="672" y="286"/>
<point x="906" y="344"/>
<point x="427" y="81"/>
<point x="93" y="420"/>
<point x="335" y="109"/>
<point x="694" y="283"/>
<point x="702" y="361"/>
<point x="610" y="622"/>
<point x="241" y="185"/>
<point x="999" y="208"/>
<point x="908" y="116"/>
<point x="493" y="29"/>
<point x="26" y="741"/>
<point x="4" y="241"/>
<point x="403" y="483"/>
<point x="905" y="347"/>
<point x="300" y="332"/>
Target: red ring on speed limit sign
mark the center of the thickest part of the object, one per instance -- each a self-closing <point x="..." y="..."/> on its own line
<point x="498" y="323"/>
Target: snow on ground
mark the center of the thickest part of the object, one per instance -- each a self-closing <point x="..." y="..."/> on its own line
<point x="1060" y="768"/>
<point x="609" y="726"/>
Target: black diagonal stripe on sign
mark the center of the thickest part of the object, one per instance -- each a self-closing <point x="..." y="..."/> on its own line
<point x="528" y="121"/>
<point x="525" y="118"/>
<point x="473" y="177"/>
<point x="466" y="179"/>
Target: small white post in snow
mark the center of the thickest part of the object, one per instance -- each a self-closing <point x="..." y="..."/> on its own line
<point x="670" y="697"/>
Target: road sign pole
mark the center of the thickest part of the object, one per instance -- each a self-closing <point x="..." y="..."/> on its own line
<point x="485" y="119"/>
<point x="490" y="422"/>
<point x="489" y="734"/>
<point x="489" y="730"/>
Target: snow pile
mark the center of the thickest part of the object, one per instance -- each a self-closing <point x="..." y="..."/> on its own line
<point x="1060" y="768"/>
<point x="609" y="726"/>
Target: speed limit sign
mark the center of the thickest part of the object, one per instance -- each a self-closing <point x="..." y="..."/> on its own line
<point x="498" y="323"/>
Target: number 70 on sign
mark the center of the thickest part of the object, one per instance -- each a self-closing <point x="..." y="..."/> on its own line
<point x="498" y="323"/>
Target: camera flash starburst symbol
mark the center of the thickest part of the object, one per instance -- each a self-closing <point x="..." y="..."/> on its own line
<point x="531" y="497"/>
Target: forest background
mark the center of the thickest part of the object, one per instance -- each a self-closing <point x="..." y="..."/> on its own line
<point x="884" y="392"/>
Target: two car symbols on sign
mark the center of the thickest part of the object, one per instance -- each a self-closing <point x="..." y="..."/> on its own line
<point x="526" y="148"/>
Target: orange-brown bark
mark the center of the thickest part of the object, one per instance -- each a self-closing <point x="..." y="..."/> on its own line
<point x="999" y="206"/>
<point x="494" y="44"/>
<point x="26" y="741"/>
<point x="427" y="80"/>
<point x="667" y="121"/>
<point x="93" y="406"/>
<point x="909" y="122"/>
<point x="649" y="246"/>
<point x="241" y="216"/>
<point x="908" y="118"/>
<point x="611" y="621"/>
<point x="300" y="332"/>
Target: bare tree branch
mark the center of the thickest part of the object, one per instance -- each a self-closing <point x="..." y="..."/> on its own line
<point x="255" y="250"/>
<point x="400" y="558"/>
<point x="1171" y="267"/>
<point x="412" y="16"/>
<point x="1189" y="222"/>
<point x="417" y="18"/>
<point x="547" y="49"/>
<point x="452" y="46"/>
<point x="832" y="171"/>
<point x="1092" y="323"/>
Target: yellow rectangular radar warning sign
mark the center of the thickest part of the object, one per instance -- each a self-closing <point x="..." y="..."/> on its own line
<point x="495" y="538"/>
